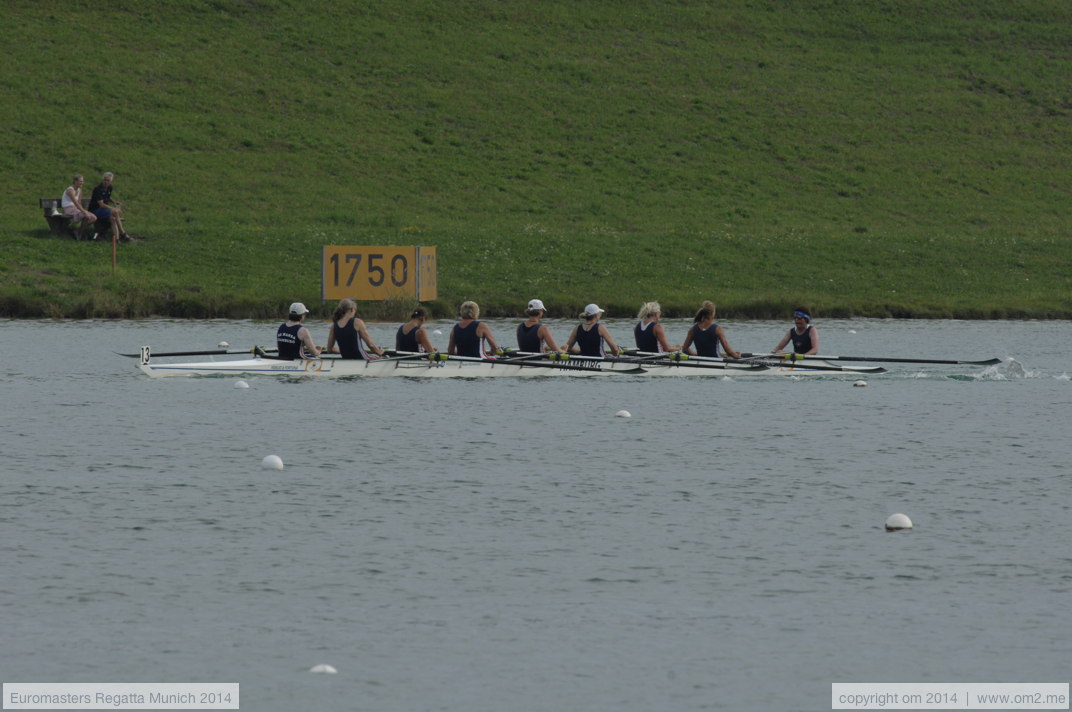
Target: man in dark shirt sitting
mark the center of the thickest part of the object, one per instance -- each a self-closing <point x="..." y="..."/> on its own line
<point x="108" y="211"/>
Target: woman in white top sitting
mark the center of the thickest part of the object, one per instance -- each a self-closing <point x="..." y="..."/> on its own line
<point x="71" y="203"/>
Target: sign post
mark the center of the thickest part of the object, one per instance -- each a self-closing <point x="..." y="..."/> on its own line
<point x="378" y="273"/>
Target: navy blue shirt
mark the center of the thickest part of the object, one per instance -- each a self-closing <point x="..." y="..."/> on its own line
<point x="466" y="341"/>
<point x="102" y="197"/>
<point x="407" y="342"/>
<point x="590" y="341"/>
<point x="801" y="342"/>
<point x="645" y="338"/>
<point x="348" y="341"/>
<point x="705" y="340"/>
<point x="528" y="337"/>
<point x="287" y="341"/>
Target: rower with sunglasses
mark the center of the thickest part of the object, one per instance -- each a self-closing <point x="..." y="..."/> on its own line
<point x="804" y="336"/>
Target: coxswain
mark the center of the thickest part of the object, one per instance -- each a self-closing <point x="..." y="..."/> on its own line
<point x="804" y="336"/>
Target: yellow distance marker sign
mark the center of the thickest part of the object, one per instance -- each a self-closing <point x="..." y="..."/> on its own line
<point x="376" y="273"/>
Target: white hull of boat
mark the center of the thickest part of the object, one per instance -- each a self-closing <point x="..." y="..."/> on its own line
<point x="513" y="365"/>
<point x="454" y="367"/>
<point x="411" y="368"/>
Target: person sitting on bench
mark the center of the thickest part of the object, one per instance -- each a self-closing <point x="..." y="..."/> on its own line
<point x="71" y="202"/>
<point x="108" y="210"/>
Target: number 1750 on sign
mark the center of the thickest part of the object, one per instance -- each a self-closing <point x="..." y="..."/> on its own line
<point x="377" y="273"/>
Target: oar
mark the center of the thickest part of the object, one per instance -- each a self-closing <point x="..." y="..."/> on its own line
<point x="213" y="352"/>
<point x="407" y="356"/>
<point x="521" y="359"/>
<point x="522" y="356"/>
<point x="798" y="357"/>
<point x="640" y="357"/>
<point x="559" y="361"/>
<point x="587" y="365"/>
<point x="715" y="364"/>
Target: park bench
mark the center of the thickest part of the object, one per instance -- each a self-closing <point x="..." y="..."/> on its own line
<point x="62" y="225"/>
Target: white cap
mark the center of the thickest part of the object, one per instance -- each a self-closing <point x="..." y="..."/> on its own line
<point x="298" y="308"/>
<point x="536" y="304"/>
<point x="591" y="310"/>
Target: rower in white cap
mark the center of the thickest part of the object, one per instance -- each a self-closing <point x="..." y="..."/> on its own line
<point x="590" y="337"/>
<point x="292" y="338"/>
<point x="533" y="336"/>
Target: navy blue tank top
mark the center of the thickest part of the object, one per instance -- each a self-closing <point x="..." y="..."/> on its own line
<point x="801" y="342"/>
<point x="645" y="337"/>
<point x="705" y="340"/>
<point x="528" y="337"/>
<point x="348" y="340"/>
<point x="590" y="341"/>
<point x="287" y="341"/>
<point x="407" y="342"/>
<point x="466" y="341"/>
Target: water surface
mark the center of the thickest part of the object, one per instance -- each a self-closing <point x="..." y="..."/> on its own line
<point x="510" y="544"/>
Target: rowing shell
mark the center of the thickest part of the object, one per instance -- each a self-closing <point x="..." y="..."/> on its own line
<point x="516" y="365"/>
<point x="443" y="366"/>
<point x="412" y="366"/>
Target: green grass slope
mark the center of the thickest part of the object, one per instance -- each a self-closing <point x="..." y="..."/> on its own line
<point x="865" y="158"/>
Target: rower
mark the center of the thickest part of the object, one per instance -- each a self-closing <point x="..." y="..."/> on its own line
<point x="706" y="335"/>
<point x="293" y="339"/>
<point x="804" y="336"/>
<point x="533" y="336"/>
<point x="649" y="333"/>
<point x="589" y="338"/>
<point x="350" y="333"/>
<point x="469" y="336"/>
<point x="411" y="336"/>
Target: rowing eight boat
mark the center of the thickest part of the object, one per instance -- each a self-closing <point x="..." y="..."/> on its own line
<point x="515" y="364"/>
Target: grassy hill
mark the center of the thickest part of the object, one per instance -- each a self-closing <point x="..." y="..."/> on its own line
<point x="907" y="158"/>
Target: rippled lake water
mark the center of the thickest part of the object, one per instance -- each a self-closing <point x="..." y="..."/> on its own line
<point x="509" y="544"/>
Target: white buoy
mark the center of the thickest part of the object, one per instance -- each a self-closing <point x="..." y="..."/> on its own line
<point x="437" y="332"/>
<point x="241" y="384"/>
<point x="852" y="331"/>
<point x="623" y="414"/>
<point x="272" y="462"/>
<point x="898" y="522"/>
<point x="223" y="345"/>
<point x="323" y="668"/>
<point x="860" y="384"/>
